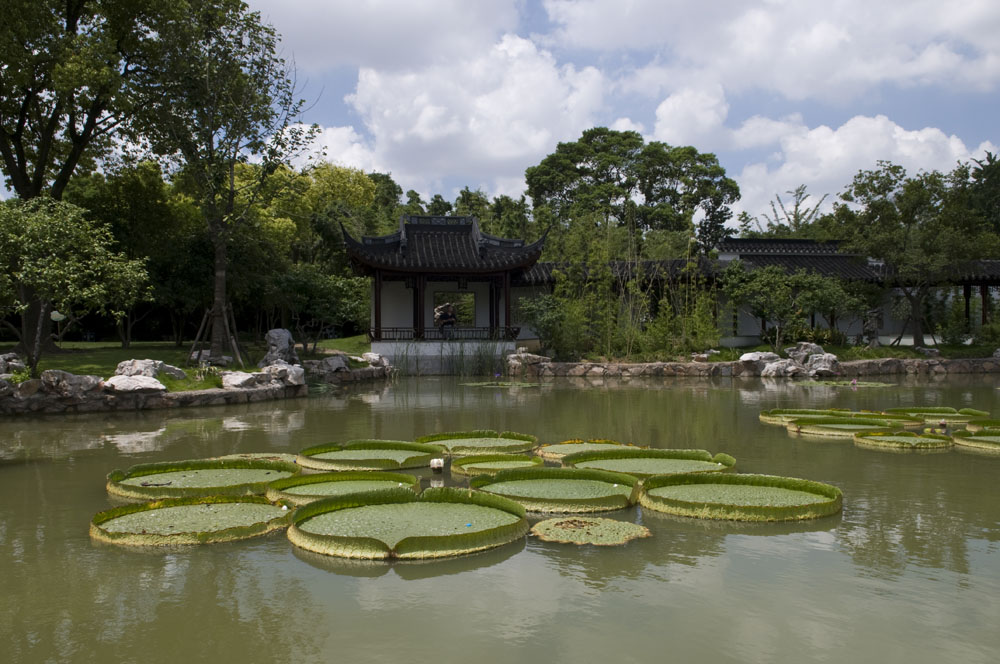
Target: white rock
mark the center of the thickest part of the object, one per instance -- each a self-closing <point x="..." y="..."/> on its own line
<point x="134" y="384"/>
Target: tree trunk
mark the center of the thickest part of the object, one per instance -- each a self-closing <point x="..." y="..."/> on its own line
<point x="218" y="335"/>
<point x="917" y="316"/>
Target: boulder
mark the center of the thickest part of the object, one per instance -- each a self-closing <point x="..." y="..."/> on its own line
<point x="6" y="388"/>
<point x="783" y="369"/>
<point x="284" y="373"/>
<point x="150" y="368"/>
<point x="134" y="384"/>
<point x="801" y="351"/>
<point x="10" y="363"/>
<point x="280" y="346"/>
<point x="238" y="379"/>
<point x="374" y="359"/>
<point x="756" y="361"/>
<point x="996" y="354"/>
<point x="823" y="365"/>
<point x="66" y="384"/>
<point x="928" y="352"/>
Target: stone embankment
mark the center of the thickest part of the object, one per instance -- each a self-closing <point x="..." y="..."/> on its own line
<point x="751" y="365"/>
<point x="135" y="386"/>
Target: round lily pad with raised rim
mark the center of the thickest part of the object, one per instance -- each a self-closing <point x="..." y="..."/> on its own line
<point x="192" y="520"/>
<point x="981" y="424"/>
<point x="501" y="383"/>
<point x="837" y="427"/>
<point x="556" y="451"/>
<point x="985" y="440"/>
<point x="648" y="462"/>
<point x="261" y="456"/>
<point x="398" y="523"/>
<point x="491" y="464"/>
<point x="304" y="489"/>
<point x="783" y="415"/>
<point x="588" y="530"/>
<point x="561" y="490"/>
<point x="368" y="455"/>
<point x="482" y="441"/>
<point x="740" y="497"/>
<point x="935" y="414"/>
<point x="900" y="420"/>
<point x="197" y="477"/>
<point x="903" y="441"/>
<point x="844" y="383"/>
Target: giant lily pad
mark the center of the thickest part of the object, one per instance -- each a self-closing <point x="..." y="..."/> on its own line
<point x="483" y="441"/>
<point x="304" y="489"/>
<point x="561" y="490"/>
<point x="198" y="477"/>
<point x="588" y="530"/>
<point x="491" y="464"/>
<point x="837" y="427"/>
<point x="368" y="455"/>
<point x="557" y="451"/>
<point x="937" y="414"/>
<point x="903" y="441"/>
<point x="783" y="415"/>
<point x="982" y="423"/>
<point x="986" y="440"/>
<point x="740" y="497"/>
<point x="397" y="523"/>
<point x="193" y="520"/>
<point x="648" y="462"/>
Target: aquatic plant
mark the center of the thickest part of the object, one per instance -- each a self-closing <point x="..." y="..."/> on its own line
<point x="981" y="424"/>
<point x="935" y="414"/>
<point x="197" y="477"/>
<point x="304" y="489"/>
<point x="461" y="443"/>
<point x="783" y="415"/>
<point x="556" y="451"/>
<point x="984" y="440"/>
<point x="561" y="490"/>
<point x="368" y="455"/>
<point x="500" y="383"/>
<point x="648" y="462"/>
<point x="902" y="441"/>
<point x="837" y="427"/>
<point x="397" y="523"/>
<point x="191" y="520"/>
<point x="740" y="497"/>
<point x="490" y="464"/>
<point x="588" y="530"/>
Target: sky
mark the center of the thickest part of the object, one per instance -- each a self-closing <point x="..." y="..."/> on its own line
<point x="445" y="94"/>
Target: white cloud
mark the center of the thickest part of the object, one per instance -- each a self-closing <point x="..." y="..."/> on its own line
<point x="345" y="147"/>
<point x="484" y="118"/>
<point x="802" y="50"/>
<point x="324" y="34"/>
<point x="826" y="159"/>
<point x="691" y="116"/>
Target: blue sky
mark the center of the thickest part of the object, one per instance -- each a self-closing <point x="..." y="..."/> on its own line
<point x="451" y="93"/>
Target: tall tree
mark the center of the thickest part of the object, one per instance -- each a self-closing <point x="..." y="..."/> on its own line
<point x="225" y="98"/>
<point x="639" y="186"/>
<point x="438" y="206"/>
<point x="53" y="257"/>
<point x="73" y="73"/>
<point x="923" y="227"/>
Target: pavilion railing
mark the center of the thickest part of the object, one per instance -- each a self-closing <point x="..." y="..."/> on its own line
<point x="444" y="334"/>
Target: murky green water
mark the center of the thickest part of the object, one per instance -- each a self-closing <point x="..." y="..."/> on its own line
<point x="910" y="572"/>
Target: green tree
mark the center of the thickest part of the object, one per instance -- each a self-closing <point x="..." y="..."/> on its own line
<point x="438" y="206"/>
<point x="56" y="259"/>
<point x="924" y="228"/>
<point x="414" y="205"/>
<point x="473" y="204"/>
<point x="796" y="220"/>
<point x="226" y="98"/>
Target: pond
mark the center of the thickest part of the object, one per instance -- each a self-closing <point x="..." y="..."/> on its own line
<point x="910" y="571"/>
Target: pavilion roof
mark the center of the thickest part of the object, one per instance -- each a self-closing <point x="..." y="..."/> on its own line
<point x="445" y="245"/>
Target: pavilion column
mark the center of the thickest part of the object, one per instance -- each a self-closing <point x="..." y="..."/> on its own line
<point x="506" y="303"/>
<point x="377" y="332"/>
<point x="984" y="293"/>
<point x="967" y="294"/>
<point x="492" y="297"/>
<point x="419" y="290"/>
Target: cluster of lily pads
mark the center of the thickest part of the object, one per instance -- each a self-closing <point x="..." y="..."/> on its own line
<point x="348" y="500"/>
<point x="901" y="429"/>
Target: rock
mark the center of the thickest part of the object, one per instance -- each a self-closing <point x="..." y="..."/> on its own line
<point x="66" y="384"/>
<point x="996" y="354"/>
<point x="6" y="388"/>
<point x="374" y="359"/>
<point x="134" y="384"/>
<point x="758" y="356"/>
<point x="823" y="365"/>
<point x="802" y="350"/>
<point x="699" y="357"/>
<point x="783" y="369"/>
<point x="238" y="379"/>
<point x="150" y="368"/>
<point x="929" y="352"/>
<point x="284" y="373"/>
<point x="205" y="357"/>
<point x="280" y="346"/>
<point x="10" y="363"/>
<point x="28" y="388"/>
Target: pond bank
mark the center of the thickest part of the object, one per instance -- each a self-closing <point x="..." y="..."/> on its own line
<point x="852" y="369"/>
<point x="62" y="392"/>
